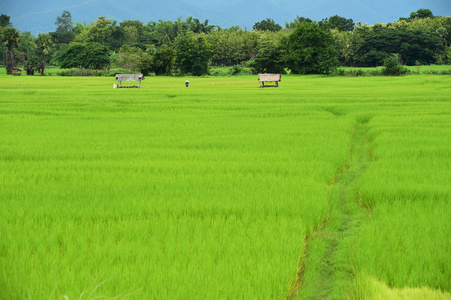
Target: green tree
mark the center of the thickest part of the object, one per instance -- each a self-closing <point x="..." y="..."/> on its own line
<point x="102" y="32"/>
<point x="193" y="53"/>
<point x="269" y="58"/>
<point x="381" y="41"/>
<point x="5" y="21"/>
<point x="44" y="46"/>
<point x="85" y="55"/>
<point x="133" y="33"/>
<point x="232" y="47"/>
<point x="392" y="67"/>
<point x="136" y="59"/>
<point x="164" y="60"/>
<point x="298" y="20"/>
<point x="339" y="23"/>
<point x="422" y="13"/>
<point x="26" y="42"/>
<point x="310" y="49"/>
<point x="167" y="31"/>
<point x="32" y="64"/>
<point x="28" y="52"/>
<point x="442" y="33"/>
<point x="343" y="41"/>
<point x="64" y="33"/>
<point x="10" y="36"/>
<point x="268" y="25"/>
<point x="196" y="26"/>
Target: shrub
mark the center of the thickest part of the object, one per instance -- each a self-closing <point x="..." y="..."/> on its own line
<point x="81" y="72"/>
<point x="393" y="67"/>
<point x="236" y="70"/>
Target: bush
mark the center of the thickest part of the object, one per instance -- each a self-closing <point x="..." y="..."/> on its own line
<point x="393" y="67"/>
<point x="236" y="70"/>
<point x="82" y="72"/>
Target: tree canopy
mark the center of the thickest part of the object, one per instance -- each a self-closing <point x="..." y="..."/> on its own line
<point x="192" y="45"/>
<point x="84" y="55"/>
<point x="268" y="25"/>
<point x="310" y="49"/>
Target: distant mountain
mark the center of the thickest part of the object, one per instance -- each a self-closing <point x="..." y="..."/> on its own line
<point x="40" y="15"/>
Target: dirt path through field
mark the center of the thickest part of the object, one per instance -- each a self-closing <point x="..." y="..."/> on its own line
<point x="324" y="271"/>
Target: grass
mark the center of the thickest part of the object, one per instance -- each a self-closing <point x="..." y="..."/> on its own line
<point x="228" y="71"/>
<point x="211" y="191"/>
<point x="408" y="178"/>
<point x="414" y="70"/>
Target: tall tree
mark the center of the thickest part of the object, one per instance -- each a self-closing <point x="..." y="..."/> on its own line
<point x="269" y="57"/>
<point x="163" y="60"/>
<point x="422" y="13"/>
<point x="196" y="26"/>
<point x="339" y="23"/>
<point x="133" y="33"/>
<point x="10" y="36"/>
<point x="193" y="53"/>
<point x="310" y="49"/>
<point x="44" y="44"/>
<point x="64" y="33"/>
<point x="5" y="21"/>
<point x="102" y="31"/>
<point x="268" y="25"/>
<point x="412" y="46"/>
<point x="298" y="20"/>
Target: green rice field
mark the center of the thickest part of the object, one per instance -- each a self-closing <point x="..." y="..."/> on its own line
<point x="323" y="188"/>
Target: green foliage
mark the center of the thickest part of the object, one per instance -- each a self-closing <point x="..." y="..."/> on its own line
<point x="155" y="60"/>
<point x="83" y="73"/>
<point x="380" y="41"/>
<point x="5" y="21"/>
<point x="44" y="44"/>
<point x="33" y="64"/>
<point x="130" y="58"/>
<point x="64" y="33"/>
<point x="339" y="23"/>
<point x="102" y="32"/>
<point x="422" y="13"/>
<point x="392" y="66"/>
<point x="292" y="25"/>
<point x="232" y="47"/>
<point x="194" y="25"/>
<point x="163" y="61"/>
<point x="236" y="70"/>
<point x="193" y="54"/>
<point x="269" y="58"/>
<point x="10" y="36"/>
<point x="84" y="55"/>
<point x="267" y="25"/>
<point x="310" y="50"/>
<point x="422" y="38"/>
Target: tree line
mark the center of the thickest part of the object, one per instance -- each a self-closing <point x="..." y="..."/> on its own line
<point x="191" y="46"/>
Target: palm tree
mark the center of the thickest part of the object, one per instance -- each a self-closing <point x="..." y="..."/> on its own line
<point x="11" y="37"/>
<point x="206" y="28"/>
<point x="44" y="43"/>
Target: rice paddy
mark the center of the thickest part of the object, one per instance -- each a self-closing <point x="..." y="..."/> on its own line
<point x="225" y="190"/>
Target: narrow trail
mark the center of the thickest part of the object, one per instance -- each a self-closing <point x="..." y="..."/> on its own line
<point x="323" y="271"/>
